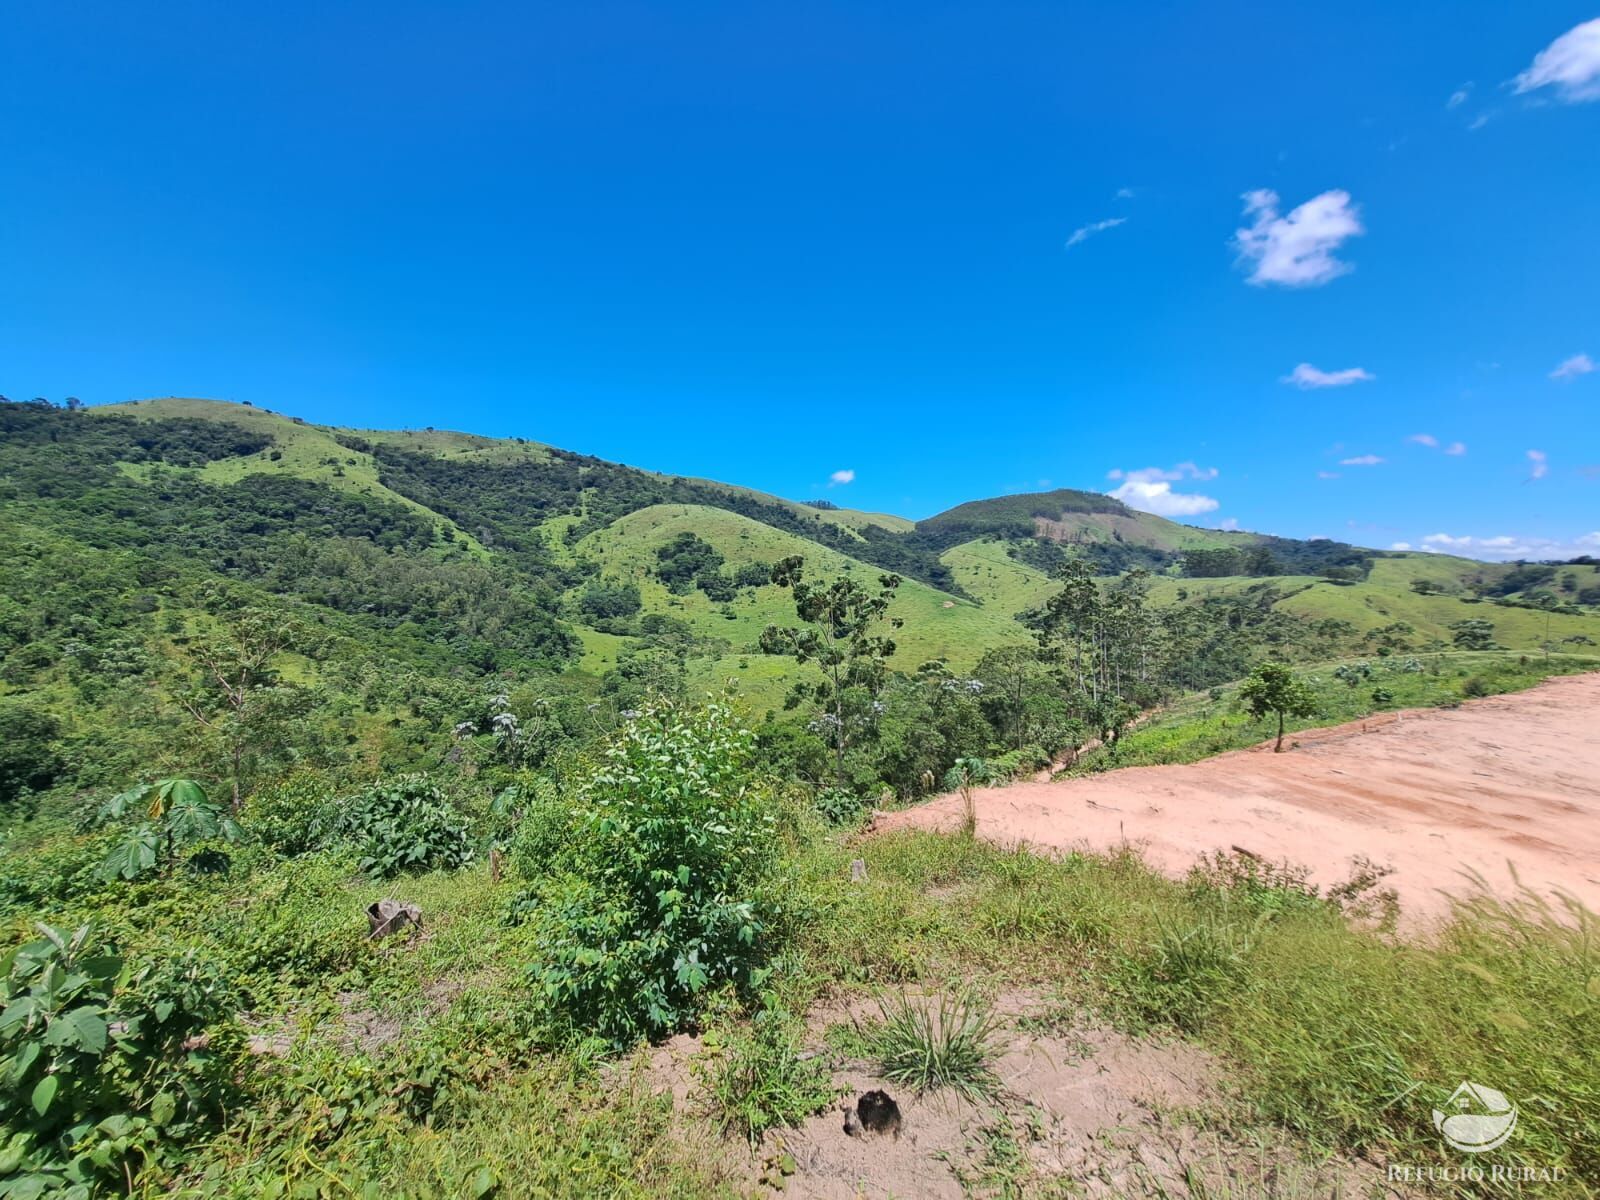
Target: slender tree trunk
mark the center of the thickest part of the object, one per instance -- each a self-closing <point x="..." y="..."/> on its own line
<point x="1278" y="749"/>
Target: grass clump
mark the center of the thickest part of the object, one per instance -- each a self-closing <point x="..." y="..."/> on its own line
<point x="761" y="1078"/>
<point x="950" y="1045"/>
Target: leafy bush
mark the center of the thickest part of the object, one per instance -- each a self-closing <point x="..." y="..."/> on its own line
<point x="657" y="880"/>
<point x="104" y="1066"/>
<point x="1475" y="686"/>
<point x="403" y="824"/>
<point x="28" y="758"/>
<point x="1186" y="971"/>
<point x="179" y="815"/>
<point x="839" y="806"/>
<point x="292" y="815"/>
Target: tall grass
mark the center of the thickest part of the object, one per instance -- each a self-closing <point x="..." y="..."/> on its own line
<point x="927" y="1046"/>
<point x="1344" y="1035"/>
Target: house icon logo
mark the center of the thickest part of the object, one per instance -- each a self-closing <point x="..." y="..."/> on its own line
<point x="1476" y="1118"/>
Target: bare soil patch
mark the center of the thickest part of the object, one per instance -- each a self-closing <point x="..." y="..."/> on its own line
<point x="1507" y="788"/>
<point x="1081" y="1111"/>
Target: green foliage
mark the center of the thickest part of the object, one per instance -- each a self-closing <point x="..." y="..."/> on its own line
<point x="29" y="761"/>
<point x="403" y="824"/>
<point x="928" y="1047"/>
<point x="178" y="815"/>
<point x="759" y="1081"/>
<point x="290" y="815"/>
<point x="1473" y="634"/>
<point x="657" y="885"/>
<point x="1273" y="688"/>
<point x="1186" y="970"/>
<point x="105" y="1067"/>
<point x="841" y="638"/>
<point x="687" y="561"/>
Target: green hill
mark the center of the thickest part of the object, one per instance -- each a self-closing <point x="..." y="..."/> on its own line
<point x="442" y="547"/>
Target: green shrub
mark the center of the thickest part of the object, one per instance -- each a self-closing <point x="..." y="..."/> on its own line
<point x="1187" y="970"/>
<point x="759" y="1081"/>
<point x="291" y="816"/>
<point x="657" y="885"/>
<point x="1475" y="686"/>
<point x="403" y="824"/>
<point x="105" y="1067"/>
<point x="839" y="806"/>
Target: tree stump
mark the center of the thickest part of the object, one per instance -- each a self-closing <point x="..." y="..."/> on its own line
<point x="391" y="916"/>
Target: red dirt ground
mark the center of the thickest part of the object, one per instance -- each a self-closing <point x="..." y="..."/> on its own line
<point x="1434" y="793"/>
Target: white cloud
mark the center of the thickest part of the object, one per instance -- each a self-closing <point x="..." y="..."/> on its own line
<point x="1541" y="464"/>
<point x="1428" y="440"/>
<point x="1125" y="193"/>
<point x="1149" y="489"/>
<point x="1578" y="364"/>
<point x="1297" y="250"/>
<point x="1305" y="376"/>
<point x="1400" y="545"/>
<point x="1570" y="64"/>
<point x="1159" y="498"/>
<point x="1479" y="121"/>
<point x="1507" y="546"/>
<point x="1086" y="232"/>
<point x="1459" y="96"/>
<point x="1229" y="524"/>
<point x="1361" y="460"/>
<point x="839" y="478"/>
<point x="1327" y="474"/>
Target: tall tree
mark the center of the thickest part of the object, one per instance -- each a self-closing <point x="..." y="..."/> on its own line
<point x="237" y="696"/>
<point x="841" y="637"/>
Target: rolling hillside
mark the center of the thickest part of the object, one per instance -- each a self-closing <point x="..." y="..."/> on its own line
<point x="550" y="523"/>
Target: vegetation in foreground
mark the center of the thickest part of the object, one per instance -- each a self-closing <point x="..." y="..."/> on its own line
<point x="668" y="885"/>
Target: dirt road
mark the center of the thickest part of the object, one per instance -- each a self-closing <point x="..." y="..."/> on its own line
<point x="1432" y="792"/>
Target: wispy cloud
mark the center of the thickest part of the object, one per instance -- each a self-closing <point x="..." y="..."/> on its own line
<point x="1570" y="65"/>
<point x="840" y="478"/>
<point x="1327" y="475"/>
<point x="1361" y="460"/>
<point x="1507" y="546"/>
<point x="1084" y="233"/>
<point x="1578" y="364"/>
<point x="1149" y="489"/>
<point x="1541" y="464"/>
<point x="1428" y="440"/>
<point x="1297" y="250"/>
<point x="1306" y="376"/>
<point x="1460" y="96"/>
<point x="1124" y="193"/>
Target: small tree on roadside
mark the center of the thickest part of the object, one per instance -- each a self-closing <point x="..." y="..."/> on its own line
<point x="841" y="637"/>
<point x="1274" y="688"/>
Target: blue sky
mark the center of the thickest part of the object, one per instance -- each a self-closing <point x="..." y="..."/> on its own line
<point x="769" y="244"/>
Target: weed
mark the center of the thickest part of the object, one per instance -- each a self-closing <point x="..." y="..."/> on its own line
<point x="761" y="1079"/>
<point x="947" y="1046"/>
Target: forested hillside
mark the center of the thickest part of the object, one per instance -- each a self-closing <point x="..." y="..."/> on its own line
<point x="388" y="585"/>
